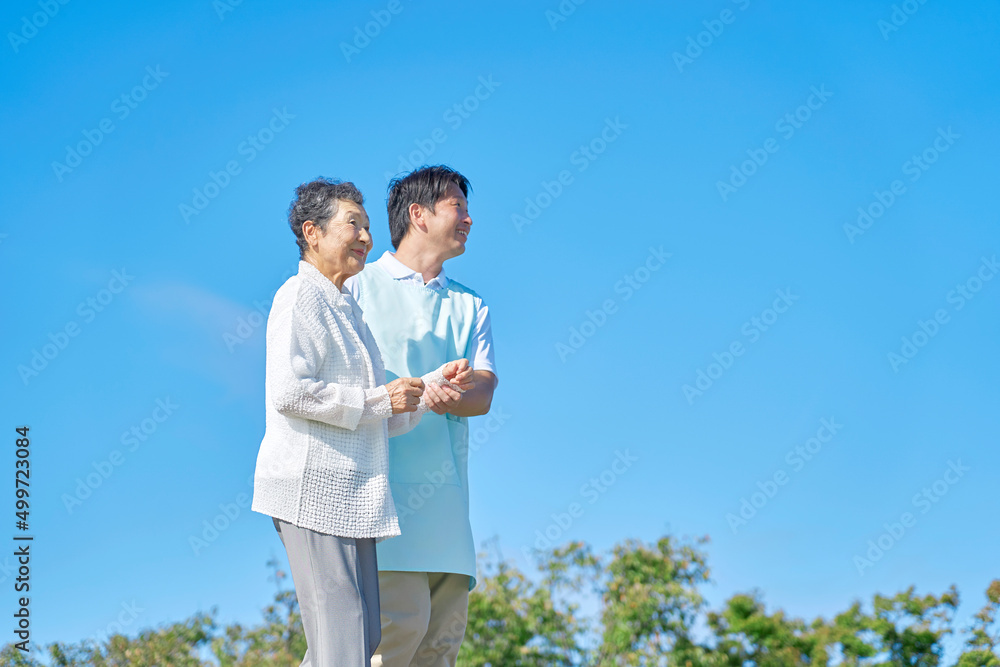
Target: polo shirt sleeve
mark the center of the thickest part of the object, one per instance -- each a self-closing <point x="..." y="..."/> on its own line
<point x="482" y="342"/>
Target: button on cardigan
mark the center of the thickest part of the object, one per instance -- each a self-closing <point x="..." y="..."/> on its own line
<point x="323" y="462"/>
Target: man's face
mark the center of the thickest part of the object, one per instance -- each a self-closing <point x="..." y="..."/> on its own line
<point x="449" y="224"/>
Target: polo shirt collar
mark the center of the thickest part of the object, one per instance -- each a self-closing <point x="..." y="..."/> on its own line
<point x="399" y="271"/>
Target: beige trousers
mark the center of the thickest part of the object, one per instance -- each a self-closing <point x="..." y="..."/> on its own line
<point x="423" y="618"/>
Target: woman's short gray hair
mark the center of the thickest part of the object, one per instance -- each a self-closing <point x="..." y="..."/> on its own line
<point x="318" y="201"/>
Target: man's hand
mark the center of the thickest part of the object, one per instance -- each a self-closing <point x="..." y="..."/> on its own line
<point x="459" y="374"/>
<point x="446" y="398"/>
<point x="441" y="399"/>
<point x="405" y="394"/>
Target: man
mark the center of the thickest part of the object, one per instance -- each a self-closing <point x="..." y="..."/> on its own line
<point x="420" y="318"/>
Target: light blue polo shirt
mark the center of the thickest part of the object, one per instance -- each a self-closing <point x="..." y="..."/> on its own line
<point x="418" y="328"/>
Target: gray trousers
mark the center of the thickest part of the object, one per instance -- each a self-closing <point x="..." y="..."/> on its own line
<point x="336" y="583"/>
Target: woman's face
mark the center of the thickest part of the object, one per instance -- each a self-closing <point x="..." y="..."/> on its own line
<point x="341" y="252"/>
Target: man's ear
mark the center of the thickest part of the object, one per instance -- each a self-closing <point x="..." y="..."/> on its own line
<point x="417" y="212"/>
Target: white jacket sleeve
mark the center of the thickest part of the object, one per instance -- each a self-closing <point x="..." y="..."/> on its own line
<point x="298" y="342"/>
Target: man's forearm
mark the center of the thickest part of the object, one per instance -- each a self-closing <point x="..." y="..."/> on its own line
<point x="477" y="401"/>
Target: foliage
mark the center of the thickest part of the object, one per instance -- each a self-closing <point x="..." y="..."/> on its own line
<point x="650" y="613"/>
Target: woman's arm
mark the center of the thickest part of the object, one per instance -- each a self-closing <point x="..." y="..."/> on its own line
<point x="407" y="421"/>
<point x="298" y="343"/>
<point x="399" y="398"/>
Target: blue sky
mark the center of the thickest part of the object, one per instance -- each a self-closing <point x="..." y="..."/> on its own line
<point x="652" y="185"/>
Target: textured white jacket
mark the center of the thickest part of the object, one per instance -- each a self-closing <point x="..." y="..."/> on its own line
<point x="323" y="463"/>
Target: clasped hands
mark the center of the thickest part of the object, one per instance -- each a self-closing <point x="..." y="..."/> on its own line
<point x="405" y="393"/>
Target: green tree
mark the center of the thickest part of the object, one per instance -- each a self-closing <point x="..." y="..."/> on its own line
<point x="515" y="622"/>
<point x="651" y="601"/>
<point x="648" y="606"/>
<point x="177" y="644"/>
<point x="278" y="642"/>
<point x="745" y="634"/>
<point x="982" y="646"/>
<point x="907" y="629"/>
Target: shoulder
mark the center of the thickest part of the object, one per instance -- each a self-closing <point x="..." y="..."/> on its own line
<point x="300" y="298"/>
<point x="456" y="287"/>
<point x="372" y="272"/>
<point x="461" y="288"/>
<point x="353" y="286"/>
<point x="285" y="296"/>
<point x="307" y="293"/>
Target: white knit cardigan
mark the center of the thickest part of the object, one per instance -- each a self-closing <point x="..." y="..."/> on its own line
<point x="323" y="463"/>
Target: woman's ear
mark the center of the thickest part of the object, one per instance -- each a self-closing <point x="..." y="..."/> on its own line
<point x="310" y="232"/>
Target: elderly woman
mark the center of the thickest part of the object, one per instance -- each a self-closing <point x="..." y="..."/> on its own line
<point x="322" y="467"/>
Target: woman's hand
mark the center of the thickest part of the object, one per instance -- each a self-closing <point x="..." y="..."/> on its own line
<point x="405" y="394"/>
<point x="459" y="374"/>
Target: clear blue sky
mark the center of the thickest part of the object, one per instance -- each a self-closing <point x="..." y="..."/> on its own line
<point x="804" y="112"/>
